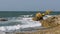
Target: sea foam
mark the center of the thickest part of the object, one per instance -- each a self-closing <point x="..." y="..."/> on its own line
<point x="27" y="22"/>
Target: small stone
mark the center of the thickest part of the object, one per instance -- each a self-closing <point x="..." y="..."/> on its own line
<point x="3" y="19"/>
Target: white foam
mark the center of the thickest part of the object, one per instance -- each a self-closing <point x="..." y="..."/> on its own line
<point x="9" y="28"/>
<point x="2" y="29"/>
<point x="25" y="20"/>
<point x="26" y="23"/>
<point x="46" y="16"/>
<point x="25" y="15"/>
<point x="29" y="23"/>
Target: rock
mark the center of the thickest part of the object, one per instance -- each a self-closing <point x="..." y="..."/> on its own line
<point x="3" y="19"/>
<point x="51" y="21"/>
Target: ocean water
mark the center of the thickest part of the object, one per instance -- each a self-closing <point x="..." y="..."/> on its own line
<point x="20" y="20"/>
<point x="18" y="13"/>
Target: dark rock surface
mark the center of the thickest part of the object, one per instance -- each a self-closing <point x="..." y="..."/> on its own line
<point x="3" y="19"/>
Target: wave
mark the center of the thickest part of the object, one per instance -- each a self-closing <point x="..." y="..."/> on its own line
<point x="18" y="23"/>
<point x="15" y="23"/>
<point x="26" y="15"/>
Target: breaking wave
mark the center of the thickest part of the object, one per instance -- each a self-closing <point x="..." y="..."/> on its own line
<point x="18" y="23"/>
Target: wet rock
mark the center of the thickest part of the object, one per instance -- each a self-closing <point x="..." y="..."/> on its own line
<point x="3" y="19"/>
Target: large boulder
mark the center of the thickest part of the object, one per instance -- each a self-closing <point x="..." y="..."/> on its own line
<point x="51" y="21"/>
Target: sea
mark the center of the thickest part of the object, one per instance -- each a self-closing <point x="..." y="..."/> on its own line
<point x="18" y="13"/>
<point x="20" y="20"/>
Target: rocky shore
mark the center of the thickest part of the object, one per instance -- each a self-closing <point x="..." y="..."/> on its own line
<point x="51" y="21"/>
<point x="52" y="25"/>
